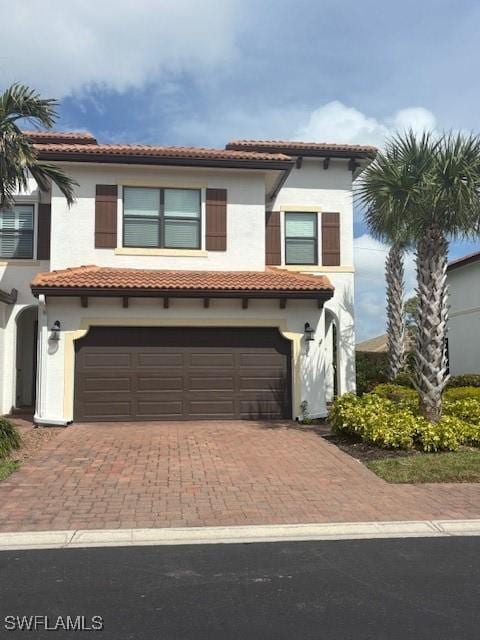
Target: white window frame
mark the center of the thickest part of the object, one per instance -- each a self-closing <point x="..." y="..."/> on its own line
<point x="157" y="250"/>
<point x="300" y="208"/>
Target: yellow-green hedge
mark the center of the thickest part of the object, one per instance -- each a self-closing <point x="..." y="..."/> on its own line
<point x="396" y="425"/>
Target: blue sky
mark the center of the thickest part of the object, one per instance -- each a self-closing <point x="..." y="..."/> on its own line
<point x="200" y="73"/>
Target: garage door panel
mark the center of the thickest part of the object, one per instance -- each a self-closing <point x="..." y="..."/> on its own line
<point x="107" y="359"/>
<point x="95" y="384"/>
<point x="159" y="383"/>
<point x="146" y="373"/>
<point x="119" y="410"/>
<point x="262" y="360"/>
<point x="160" y="359"/>
<point x="207" y="360"/>
<point x="211" y="383"/>
<point x="211" y="408"/>
<point x="258" y="383"/>
<point x="256" y="410"/>
<point x="151" y="409"/>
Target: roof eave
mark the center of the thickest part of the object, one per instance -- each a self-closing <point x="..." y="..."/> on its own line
<point x="305" y="152"/>
<point x="463" y="262"/>
<point x="117" y="158"/>
<point x="137" y="292"/>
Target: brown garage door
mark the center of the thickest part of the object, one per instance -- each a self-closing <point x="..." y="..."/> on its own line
<point x="148" y="373"/>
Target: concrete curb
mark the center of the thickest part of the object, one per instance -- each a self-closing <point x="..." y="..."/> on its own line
<point x="236" y="534"/>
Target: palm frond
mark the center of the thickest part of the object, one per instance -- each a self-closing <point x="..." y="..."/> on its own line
<point x="19" y="101"/>
<point x="18" y="158"/>
<point x="44" y="173"/>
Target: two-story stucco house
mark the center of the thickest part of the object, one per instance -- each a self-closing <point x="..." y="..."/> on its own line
<point x="184" y="283"/>
<point x="464" y="315"/>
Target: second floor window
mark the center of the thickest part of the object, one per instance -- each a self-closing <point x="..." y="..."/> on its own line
<point x="162" y="218"/>
<point x="301" y="240"/>
<point x="16" y="232"/>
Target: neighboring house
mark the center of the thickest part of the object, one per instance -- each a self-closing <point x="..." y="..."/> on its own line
<point x="373" y="345"/>
<point x="464" y="314"/>
<point x="379" y="344"/>
<point x="180" y="283"/>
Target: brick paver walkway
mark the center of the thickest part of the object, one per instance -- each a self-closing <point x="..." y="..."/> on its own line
<point x="209" y="473"/>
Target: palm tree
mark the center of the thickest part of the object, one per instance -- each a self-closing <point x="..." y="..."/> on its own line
<point x="447" y="205"/>
<point x="18" y="158"/>
<point x="384" y="193"/>
<point x="428" y="190"/>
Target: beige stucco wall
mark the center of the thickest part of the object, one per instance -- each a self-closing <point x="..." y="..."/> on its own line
<point x="55" y="403"/>
<point x="311" y="187"/>
<point x="73" y="237"/>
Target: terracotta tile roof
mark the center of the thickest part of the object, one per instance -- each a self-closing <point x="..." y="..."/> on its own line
<point x="461" y="262"/>
<point x="96" y="278"/>
<point x="303" y="148"/>
<point x="139" y="152"/>
<point x="60" y="137"/>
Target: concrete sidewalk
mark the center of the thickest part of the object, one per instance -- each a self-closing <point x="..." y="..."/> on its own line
<point x="231" y="535"/>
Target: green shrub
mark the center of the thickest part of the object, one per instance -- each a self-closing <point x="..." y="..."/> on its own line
<point x="467" y="410"/>
<point x="371" y="369"/>
<point x="396" y="424"/>
<point x="9" y="437"/>
<point x="471" y="434"/>
<point x="397" y="393"/>
<point x="462" y="393"/>
<point x="466" y="380"/>
<point x="374" y="419"/>
<point x="446" y="435"/>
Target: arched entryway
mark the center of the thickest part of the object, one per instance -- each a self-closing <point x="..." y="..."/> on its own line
<point x="26" y="358"/>
<point x="331" y="356"/>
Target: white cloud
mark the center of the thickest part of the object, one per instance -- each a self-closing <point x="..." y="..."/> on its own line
<point x="332" y="122"/>
<point x="61" y="47"/>
<point x="370" y="257"/>
<point x="336" y="122"/>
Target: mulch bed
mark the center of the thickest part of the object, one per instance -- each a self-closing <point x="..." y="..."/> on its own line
<point x="366" y="452"/>
<point x="358" y="449"/>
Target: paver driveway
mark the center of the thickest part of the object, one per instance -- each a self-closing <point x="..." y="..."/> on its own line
<point x="208" y="473"/>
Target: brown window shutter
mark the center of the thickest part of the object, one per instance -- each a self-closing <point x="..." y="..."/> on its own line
<point x="216" y="223"/>
<point x="273" y="252"/>
<point x="44" y="230"/>
<point x="106" y="216"/>
<point x="330" y="239"/>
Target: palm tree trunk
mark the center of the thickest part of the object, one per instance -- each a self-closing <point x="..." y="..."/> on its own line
<point x="394" y="274"/>
<point x="431" y="328"/>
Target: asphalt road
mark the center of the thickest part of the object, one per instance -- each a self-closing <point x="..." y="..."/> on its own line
<point x="376" y="589"/>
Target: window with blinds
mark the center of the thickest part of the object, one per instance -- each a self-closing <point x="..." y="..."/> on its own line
<point x="16" y="232"/>
<point x="301" y="238"/>
<point x="163" y="218"/>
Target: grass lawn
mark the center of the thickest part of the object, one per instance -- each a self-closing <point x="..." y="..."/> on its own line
<point x="458" y="466"/>
<point x="7" y="467"/>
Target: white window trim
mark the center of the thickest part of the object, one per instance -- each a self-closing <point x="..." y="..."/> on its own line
<point x="300" y="209"/>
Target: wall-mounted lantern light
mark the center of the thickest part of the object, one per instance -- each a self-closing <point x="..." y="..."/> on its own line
<point x="309" y="332"/>
<point x="55" y="335"/>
